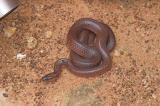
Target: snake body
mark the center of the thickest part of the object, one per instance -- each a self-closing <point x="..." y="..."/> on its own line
<point x="90" y="42"/>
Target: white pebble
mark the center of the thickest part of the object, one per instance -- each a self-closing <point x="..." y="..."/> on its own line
<point x="48" y="34"/>
<point x="117" y="53"/>
<point x="31" y="42"/>
<point x="20" y="56"/>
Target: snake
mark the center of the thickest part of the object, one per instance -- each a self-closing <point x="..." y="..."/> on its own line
<point x="90" y="43"/>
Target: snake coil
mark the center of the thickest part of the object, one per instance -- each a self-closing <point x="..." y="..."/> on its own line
<point x="90" y="42"/>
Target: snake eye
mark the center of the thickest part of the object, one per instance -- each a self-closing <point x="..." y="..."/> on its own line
<point x="62" y="61"/>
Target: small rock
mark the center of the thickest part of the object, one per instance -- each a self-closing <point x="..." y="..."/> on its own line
<point x="121" y="6"/>
<point x="9" y="31"/>
<point x="31" y="42"/>
<point x="117" y="53"/>
<point x="48" y="34"/>
<point x="142" y="34"/>
<point x="38" y="94"/>
<point x="39" y="7"/>
<point x="145" y="83"/>
<point x="122" y="52"/>
<point x="148" y="5"/>
<point x="137" y="29"/>
<point x="38" y="15"/>
<point x="154" y="96"/>
<point x="20" y="56"/>
<point x="118" y="104"/>
<point x="43" y="52"/>
<point x="5" y="95"/>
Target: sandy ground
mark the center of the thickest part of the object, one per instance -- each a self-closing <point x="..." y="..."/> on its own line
<point x="33" y="37"/>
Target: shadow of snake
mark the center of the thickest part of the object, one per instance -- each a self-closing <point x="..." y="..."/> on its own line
<point x="90" y="42"/>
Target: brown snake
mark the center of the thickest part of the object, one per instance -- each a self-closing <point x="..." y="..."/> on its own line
<point x="90" y="42"/>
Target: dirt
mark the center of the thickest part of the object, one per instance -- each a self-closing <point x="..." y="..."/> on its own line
<point x="134" y="79"/>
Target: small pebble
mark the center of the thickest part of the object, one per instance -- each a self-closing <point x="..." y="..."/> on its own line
<point x="48" y="34"/>
<point x="20" y="56"/>
<point x="118" y="104"/>
<point x="142" y="34"/>
<point x="9" y="31"/>
<point x="148" y="5"/>
<point x="154" y="96"/>
<point x="117" y="53"/>
<point x="5" y="95"/>
<point x="43" y="52"/>
<point x="31" y="42"/>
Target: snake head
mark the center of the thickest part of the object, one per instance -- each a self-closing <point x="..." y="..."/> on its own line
<point x="49" y="76"/>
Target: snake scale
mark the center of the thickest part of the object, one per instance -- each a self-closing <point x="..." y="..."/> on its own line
<point x="90" y="42"/>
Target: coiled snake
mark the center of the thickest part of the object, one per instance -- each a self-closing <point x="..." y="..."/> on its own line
<point x="90" y="42"/>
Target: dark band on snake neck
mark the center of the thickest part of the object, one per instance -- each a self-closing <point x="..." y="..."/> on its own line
<point x="90" y="43"/>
